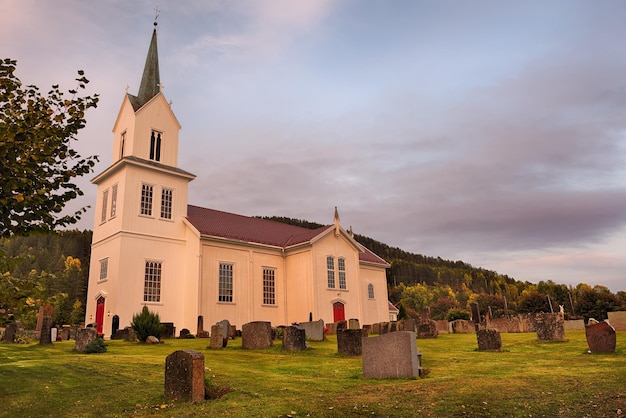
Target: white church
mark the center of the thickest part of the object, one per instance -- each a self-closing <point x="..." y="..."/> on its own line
<point x="195" y="265"/>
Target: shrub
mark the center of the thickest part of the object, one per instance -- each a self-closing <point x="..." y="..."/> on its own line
<point x="454" y="314"/>
<point x="96" y="346"/>
<point x="21" y="339"/>
<point x="147" y="323"/>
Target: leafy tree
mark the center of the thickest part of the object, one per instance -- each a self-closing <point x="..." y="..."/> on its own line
<point x="496" y="302"/>
<point x="440" y="309"/>
<point x="38" y="161"/>
<point x="534" y="302"/>
<point x="596" y="302"/>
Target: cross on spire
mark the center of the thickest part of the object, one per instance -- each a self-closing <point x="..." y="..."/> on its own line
<point x="156" y="14"/>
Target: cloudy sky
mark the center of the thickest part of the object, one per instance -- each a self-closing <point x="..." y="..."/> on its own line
<point x="492" y="132"/>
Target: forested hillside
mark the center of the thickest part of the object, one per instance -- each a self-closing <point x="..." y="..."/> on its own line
<point x="52" y="269"/>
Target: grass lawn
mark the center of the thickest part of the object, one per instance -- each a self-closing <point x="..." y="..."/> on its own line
<point x="528" y="378"/>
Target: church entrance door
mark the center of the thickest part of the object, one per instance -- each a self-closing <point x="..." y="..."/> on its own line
<point x="339" y="313"/>
<point x="100" y="314"/>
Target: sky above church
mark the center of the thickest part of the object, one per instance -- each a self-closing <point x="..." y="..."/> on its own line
<point x="492" y="132"/>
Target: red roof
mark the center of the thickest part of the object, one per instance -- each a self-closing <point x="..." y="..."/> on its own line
<point x="220" y="224"/>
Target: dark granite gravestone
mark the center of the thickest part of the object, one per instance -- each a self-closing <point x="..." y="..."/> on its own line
<point x="390" y="355"/>
<point x="217" y="337"/>
<point x="11" y="331"/>
<point x="184" y="334"/>
<point x="115" y="325"/>
<point x="83" y="337"/>
<point x="549" y="326"/>
<point x="294" y="338"/>
<point x="475" y="314"/>
<point x="184" y="376"/>
<point x="349" y="342"/>
<point x="314" y="330"/>
<point x="169" y="330"/>
<point x="341" y="325"/>
<point x="256" y="335"/>
<point x="200" y="325"/>
<point x="601" y="337"/>
<point x="46" y="331"/>
<point x="427" y="329"/>
<point x="489" y="340"/>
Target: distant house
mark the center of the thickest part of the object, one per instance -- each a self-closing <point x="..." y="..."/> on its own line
<point x="195" y="265"/>
<point x="393" y="312"/>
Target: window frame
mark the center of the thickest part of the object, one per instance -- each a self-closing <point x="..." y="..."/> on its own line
<point x="113" y="213"/>
<point x="155" y="145"/>
<point x="105" y="201"/>
<point x="153" y="280"/>
<point x="269" y="286"/>
<point x="147" y="199"/>
<point x="104" y="269"/>
<point x="225" y="285"/>
<point x="167" y="203"/>
<point x="370" y="291"/>
<point x="341" y="269"/>
<point x="330" y="272"/>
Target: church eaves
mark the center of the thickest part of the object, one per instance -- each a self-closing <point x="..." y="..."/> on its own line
<point x="150" y="80"/>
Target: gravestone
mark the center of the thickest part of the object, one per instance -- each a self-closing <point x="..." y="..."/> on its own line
<point x="217" y="337"/>
<point x="383" y="328"/>
<point x="391" y="355"/>
<point x="169" y="330"/>
<point x="11" y="331"/>
<point x="294" y="338"/>
<point x="40" y="316"/>
<point x="115" y="325"/>
<point x="256" y="335"/>
<point x="601" y="337"/>
<point x="341" y="325"/>
<point x="489" y="340"/>
<point x="184" y="334"/>
<point x="407" y="325"/>
<point x="354" y="324"/>
<point x="549" y="326"/>
<point x="184" y="376"/>
<point x="64" y="333"/>
<point x="46" y="333"/>
<point x="393" y="326"/>
<point x="376" y="328"/>
<point x="314" y="330"/>
<point x="475" y="314"/>
<point x="83" y="337"/>
<point x="200" y="324"/>
<point x="350" y="342"/>
<point x="54" y="334"/>
<point x="460" y="326"/>
<point x="225" y="323"/>
<point x="126" y="334"/>
<point x="427" y="329"/>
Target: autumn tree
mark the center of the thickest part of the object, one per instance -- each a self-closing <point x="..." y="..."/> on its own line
<point x="39" y="163"/>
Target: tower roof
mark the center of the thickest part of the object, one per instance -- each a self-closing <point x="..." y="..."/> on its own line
<point x="150" y="80"/>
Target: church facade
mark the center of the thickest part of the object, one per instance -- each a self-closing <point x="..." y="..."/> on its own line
<point x="196" y="265"/>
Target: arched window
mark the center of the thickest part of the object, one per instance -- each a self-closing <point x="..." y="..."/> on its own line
<point x="370" y="291"/>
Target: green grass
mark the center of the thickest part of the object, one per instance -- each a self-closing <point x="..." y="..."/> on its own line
<point x="528" y="378"/>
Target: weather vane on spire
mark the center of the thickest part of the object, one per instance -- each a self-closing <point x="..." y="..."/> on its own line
<point x="156" y="15"/>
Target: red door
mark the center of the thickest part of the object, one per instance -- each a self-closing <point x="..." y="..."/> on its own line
<point x="99" y="314"/>
<point x="339" y="313"/>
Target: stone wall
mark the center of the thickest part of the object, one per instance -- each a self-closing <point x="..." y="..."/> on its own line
<point x="618" y="320"/>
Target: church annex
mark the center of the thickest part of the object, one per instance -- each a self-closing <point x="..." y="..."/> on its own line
<point x="150" y="247"/>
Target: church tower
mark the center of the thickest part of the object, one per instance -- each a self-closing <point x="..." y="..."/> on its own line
<point x="138" y="251"/>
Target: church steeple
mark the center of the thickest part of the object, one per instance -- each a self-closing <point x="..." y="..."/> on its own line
<point x="150" y="80"/>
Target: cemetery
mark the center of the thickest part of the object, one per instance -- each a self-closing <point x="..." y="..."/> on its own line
<point x="402" y="368"/>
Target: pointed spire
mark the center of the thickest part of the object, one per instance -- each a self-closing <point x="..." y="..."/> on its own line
<point x="336" y="221"/>
<point x="150" y="81"/>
